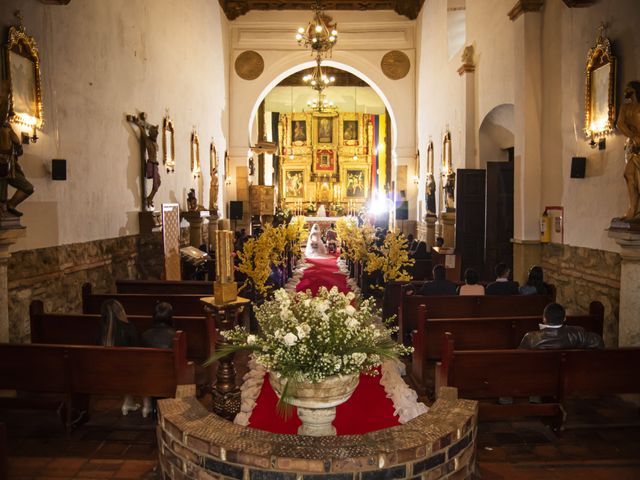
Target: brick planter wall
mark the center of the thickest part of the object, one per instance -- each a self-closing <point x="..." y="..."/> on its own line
<point x="197" y="444"/>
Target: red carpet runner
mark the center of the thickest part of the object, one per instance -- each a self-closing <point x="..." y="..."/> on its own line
<point x="367" y="410"/>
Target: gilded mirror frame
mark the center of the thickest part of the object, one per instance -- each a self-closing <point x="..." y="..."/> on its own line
<point x="195" y="154"/>
<point x="169" y="150"/>
<point x="599" y="102"/>
<point x="25" y="47"/>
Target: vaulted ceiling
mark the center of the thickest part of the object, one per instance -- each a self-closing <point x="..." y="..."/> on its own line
<point x="234" y="8"/>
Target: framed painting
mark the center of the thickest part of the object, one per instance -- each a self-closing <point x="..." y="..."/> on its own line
<point x="299" y="131"/>
<point x="325" y="160"/>
<point x="294" y="183"/>
<point x="22" y="65"/>
<point x="168" y="144"/>
<point x="324" y="129"/>
<point x="600" y="107"/>
<point x="355" y="182"/>
<point x="351" y="133"/>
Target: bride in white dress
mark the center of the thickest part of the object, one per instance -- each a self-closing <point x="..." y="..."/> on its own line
<point x="315" y="246"/>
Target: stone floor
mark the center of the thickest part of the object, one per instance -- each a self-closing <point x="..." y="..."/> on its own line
<point x="113" y="446"/>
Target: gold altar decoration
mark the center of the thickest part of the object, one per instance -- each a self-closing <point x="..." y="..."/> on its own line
<point x="22" y="67"/>
<point x="195" y="154"/>
<point x="600" y="88"/>
<point x="249" y="65"/>
<point x="395" y="64"/>
<point x="213" y="183"/>
<point x="326" y="158"/>
<point x="225" y="289"/>
<point x="169" y="144"/>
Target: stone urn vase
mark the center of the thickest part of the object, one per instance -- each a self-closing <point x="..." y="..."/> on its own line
<point x="317" y="402"/>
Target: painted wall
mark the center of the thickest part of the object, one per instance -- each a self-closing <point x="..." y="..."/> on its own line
<point x="566" y="36"/>
<point x="100" y="61"/>
<point x="589" y="203"/>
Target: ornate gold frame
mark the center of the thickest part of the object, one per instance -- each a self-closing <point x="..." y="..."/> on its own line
<point x="334" y="130"/>
<point x="299" y="117"/>
<point x="169" y="150"/>
<point x="351" y="117"/>
<point x="600" y="56"/>
<point x="344" y="181"/>
<point x="294" y="167"/>
<point x="24" y="45"/>
<point x="195" y="154"/>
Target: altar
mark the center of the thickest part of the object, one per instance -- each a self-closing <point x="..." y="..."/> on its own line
<point x="323" y="222"/>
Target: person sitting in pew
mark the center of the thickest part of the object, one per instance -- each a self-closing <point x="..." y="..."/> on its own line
<point x="160" y="335"/>
<point x="421" y="252"/>
<point x="116" y="331"/>
<point x="554" y="333"/>
<point x="502" y="285"/>
<point x="535" y="283"/>
<point x="439" y="285"/>
<point x="471" y="286"/>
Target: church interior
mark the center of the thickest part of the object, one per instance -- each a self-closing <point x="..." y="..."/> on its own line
<point x="415" y="224"/>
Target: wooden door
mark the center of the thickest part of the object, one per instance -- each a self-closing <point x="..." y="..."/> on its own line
<point x="499" y="226"/>
<point x="470" y="218"/>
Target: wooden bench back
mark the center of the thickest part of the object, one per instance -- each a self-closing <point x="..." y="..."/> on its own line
<point x="143" y="304"/>
<point x="455" y="306"/>
<point x="79" y="329"/>
<point x="95" y="369"/>
<point x="173" y="287"/>
<point x="593" y="372"/>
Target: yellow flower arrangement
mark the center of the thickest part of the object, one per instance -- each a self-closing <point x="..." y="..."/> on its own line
<point x="358" y="241"/>
<point x="392" y="259"/>
<point x="295" y="234"/>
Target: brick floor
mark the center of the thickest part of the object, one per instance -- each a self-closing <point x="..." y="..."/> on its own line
<point x="601" y="442"/>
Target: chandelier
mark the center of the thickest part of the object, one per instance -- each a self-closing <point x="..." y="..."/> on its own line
<point x="317" y="78"/>
<point x="321" y="104"/>
<point x="321" y="33"/>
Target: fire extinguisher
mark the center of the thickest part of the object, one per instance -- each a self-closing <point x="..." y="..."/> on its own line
<point x="545" y="228"/>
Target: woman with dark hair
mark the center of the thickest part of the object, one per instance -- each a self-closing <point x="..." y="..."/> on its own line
<point x="471" y="286"/>
<point x="116" y="331"/>
<point x="535" y="283"/>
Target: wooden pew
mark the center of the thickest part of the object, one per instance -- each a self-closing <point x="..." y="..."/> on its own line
<point x="82" y="369"/>
<point x="555" y="374"/>
<point x="141" y="304"/>
<point x="171" y="287"/>
<point x="482" y="333"/>
<point x="81" y="329"/>
<point x="455" y="306"/>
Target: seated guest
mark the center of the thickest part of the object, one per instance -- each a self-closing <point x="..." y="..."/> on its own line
<point x="116" y="331"/>
<point x="471" y="286"/>
<point x="160" y="335"/>
<point x="439" y="285"/>
<point x="502" y="285"/>
<point x="421" y="252"/>
<point x="554" y="333"/>
<point x="535" y="283"/>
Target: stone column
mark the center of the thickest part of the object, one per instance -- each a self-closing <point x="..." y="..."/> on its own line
<point x="448" y="221"/>
<point x="431" y="229"/>
<point x="213" y="228"/>
<point x="467" y="72"/>
<point x="195" y="227"/>
<point x="527" y="21"/>
<point x="629" y="323"/>
<point x="7" y="238"/>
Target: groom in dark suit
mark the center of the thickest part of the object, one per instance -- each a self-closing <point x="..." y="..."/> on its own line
<point x="502" y="285"/>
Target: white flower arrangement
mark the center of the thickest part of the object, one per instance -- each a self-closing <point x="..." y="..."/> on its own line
<point x="307" y="339"/>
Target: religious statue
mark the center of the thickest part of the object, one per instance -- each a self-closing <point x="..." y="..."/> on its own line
<point x="467" y="55"/>
<point x="192" y="201"/>
<point x="149" y="144"/>
<point x="629" y="125"/>
<point x="430" y="194"/>
<point x="450" y="191"/>
<point x="10" y="149"/>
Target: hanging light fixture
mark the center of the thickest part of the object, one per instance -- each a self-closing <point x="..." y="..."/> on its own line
<point x="321" y="34"/>
<point x="317" y="79"/>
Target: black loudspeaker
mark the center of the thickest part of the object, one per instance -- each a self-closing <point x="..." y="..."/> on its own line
<point x="58" y="169"/>
<point x="402" y="212"/>
<point x="235" y="210"/>
<point x="578" y="167"/>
